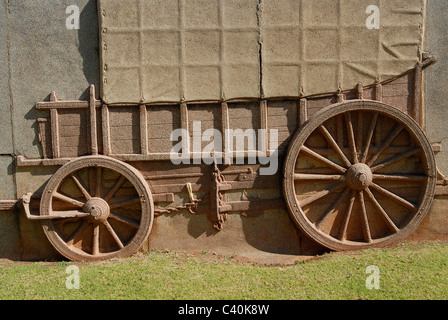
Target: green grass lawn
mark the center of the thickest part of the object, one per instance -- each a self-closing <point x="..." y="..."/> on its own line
<point x="408" y="271"/>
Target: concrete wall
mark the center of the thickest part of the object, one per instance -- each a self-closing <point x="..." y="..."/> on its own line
<point x="434" y="225"/>
<point x="436" y="103"/>
<point x="38" y="54"/>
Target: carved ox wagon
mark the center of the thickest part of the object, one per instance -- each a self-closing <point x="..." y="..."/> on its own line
<point x="356" y="169"/>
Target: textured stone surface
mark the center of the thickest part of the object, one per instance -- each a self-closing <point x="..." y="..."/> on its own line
<point x="436" y="92"/>
<point x="433" y="227"/>
<point x="44" y="56"/>
<point x="269" y="238"/>
<point x="9" y="233"/>
<point x="6" y="145"/>
<point x="7" y="185"/>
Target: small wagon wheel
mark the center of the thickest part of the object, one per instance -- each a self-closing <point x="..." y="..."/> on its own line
<point x="359" y="174"/>
<point x="108" y="205"/>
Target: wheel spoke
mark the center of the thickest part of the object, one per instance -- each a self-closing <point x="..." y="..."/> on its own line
<point x="343" y="231"/>
<point x="322" y="177"/>
<point x="115" y="188"/>
<point x="321" y="194"/>
<point x="393" y="196"/>
<point x="75" y="177"/>
<point x="320" y="158"/>
<point x="79" y="222"/>
<point x="331" y="209"/>
<point x="334" y="145"/>
<point x="386" y="144"/>
<point x="365" y="220"/>
<point x="96" y="240"/>
<point x="66" y="199"/>
<point x="113" y="234"/>
<point x="369" y="137"/>
<point x="400" y="178"/>
<point x="395" y="159"/>
<point x="124" y="203"/>
<point x="126" y="220"/>
<point x="354" y="171"/>
<point x="351" y="136"/>
<point x="390" y="224"/>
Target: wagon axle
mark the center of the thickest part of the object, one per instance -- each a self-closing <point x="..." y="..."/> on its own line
<point x="98" y="209"/>
<point x="359" y="177"/>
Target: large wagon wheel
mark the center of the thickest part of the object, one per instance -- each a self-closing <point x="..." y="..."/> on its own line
<point x="359" y="174"/>
<point x="111" y="207"/>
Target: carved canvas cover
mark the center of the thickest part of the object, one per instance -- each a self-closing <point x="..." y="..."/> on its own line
<point x="173" y="50"/>
<point x="319" y="46"/>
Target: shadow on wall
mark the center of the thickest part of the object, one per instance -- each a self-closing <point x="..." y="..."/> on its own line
<point x="89" y="45"/>
<point x="271" y="231"/>
<point x="88" y="49"/>
<point x="88" y="40"/>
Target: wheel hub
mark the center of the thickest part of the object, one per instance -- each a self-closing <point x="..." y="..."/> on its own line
<point x="359" y="177"/>
<point x="97" y="208"/>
